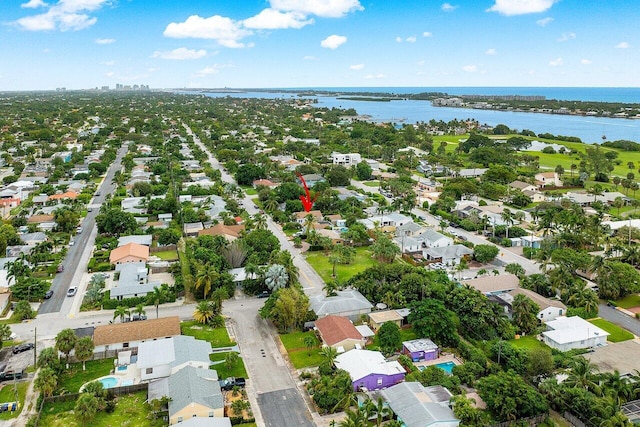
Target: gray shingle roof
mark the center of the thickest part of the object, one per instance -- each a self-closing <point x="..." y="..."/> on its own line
<point x="345" y="301"/>
<point x="412" y="403"/>
<point x="194" y="385"/>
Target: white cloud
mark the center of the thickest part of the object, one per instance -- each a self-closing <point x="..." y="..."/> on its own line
<point x="109" y="74"/>
<point x="421" y="62"/>
<point x="322" y="8"/>
<point x="398" y="39"/>
<point x="585" y="61"/>
<point x="153" y="70"/>
<point x="521" y="7"/>
<point x="623" y="45"/>
<point x="491" y="52"/>
<point x="333" y="42"/>
<point x="411" y="39"/>
<point x="180" y="54"/>
<point x="556" y="62"/>
<point x="448" y="7"/>
<point x="105" y="41"/>
<point x="66" y="15"/>
<point x="310" y="58"/>
<point x="213" y="69"/>
<point x="566" y="36"/>
<point x="271" y="19"/>
<point x="544" y="21"/>
<point x="427" y="34"/>
<point x="356" y="67"/>
<point x="109" y="63"/>
<point x="375" y="76"/>
<point x="33" y="4"/>
<point x="470" y="68"/>
<point x="225" y="31"/>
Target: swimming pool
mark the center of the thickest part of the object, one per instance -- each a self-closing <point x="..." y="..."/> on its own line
<point x="126" y="382"/>
<point x="109" y="382"/>
<point x="446" y="366"/>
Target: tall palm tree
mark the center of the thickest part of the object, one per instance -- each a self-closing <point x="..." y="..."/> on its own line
<point x="308" y="223"/>
<point x="217" y="296"/>
<point x="582" y="373"/>
<point x="46" y="382"/>
<point x="507" y="217"/>
<point x="276" y="277"/>
<point x="260" y="222"/>
<point x="205" y="278"/>
<point x="159" y="296"/>
<point x="65" y="342"/>
<point x="139" y="310"/>
<point x="84" y="350"/>
<point x="329" y="354"/>
<point x="121" y="311"/>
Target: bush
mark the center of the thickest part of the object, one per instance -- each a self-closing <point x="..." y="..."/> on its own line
<point x="111" y="304"/>
<point x="506" y="243"/>
<point x="581" y="312"/>
<point x="103" y="266"/>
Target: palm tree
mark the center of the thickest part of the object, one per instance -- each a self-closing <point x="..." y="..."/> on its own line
<point x="86" y="408"/>
<point x="46" y="382"/>
<point x="217" y="296"/>
<point x="334" y="259"/>
<point x="84" y="350"/>
<point x="310" y="342"/>
<point x="206" y="277"/>
<point x="204" y="312"/>
<point x="582" y="374"/>
<point x="308" y="223"/>
<point x="121" y="311"/>
<point x="276" y="277"/>
<point x="65" y="342"/>
<point x="354" y="419"/>
<point x="507" y="217"/>
<point x="139" y="310"/>
<point x="159" y="296"/>
<point x="270" y="204"/>
<point x="230" y="359"/>
<point x="331" y="287"/>
<point x="5" y="333"/>
<point x="260" y="222"/>
<point x="329" y="354"/>
<point x="384" y="249"/>
<point x="379" y="409"/>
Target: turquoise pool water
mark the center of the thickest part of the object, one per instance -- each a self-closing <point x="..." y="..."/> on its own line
<point x="446" y="366"/>
<point x="126" y="382"/>
<point x="109" y="382"/>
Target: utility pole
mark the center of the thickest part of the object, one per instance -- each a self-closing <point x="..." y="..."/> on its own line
<point x="35" y="346"/>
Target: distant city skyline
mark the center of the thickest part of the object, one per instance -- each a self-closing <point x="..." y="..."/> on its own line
<point x="83" y="44"/>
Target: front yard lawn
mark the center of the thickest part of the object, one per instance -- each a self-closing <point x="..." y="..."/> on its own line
<point x="218" y="337"/>
<point x="320" y="262"/>
<point x="236" y="370"/>
<point x="629" y="301"/>
<point x="528" y="342"/>
<point x="8" y="394"/>
<point x="299" y="354"/>
<point x="72" y="379"/>
<point x="616" y="333"/>
<point x="130" y="411"/>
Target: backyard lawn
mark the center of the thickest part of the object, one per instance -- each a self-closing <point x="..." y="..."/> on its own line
<point x="320" y="262"/>
<point x="218" y="337"/>
<point x="72" y="379"/>
<point x="617" y="334"/>
<point x="236" y="370"/>
<point x="299" y="354"/>
<point x="629" y="301"/>
<point x="130" y="411"/>
<point x="528" y="342"/>
<point x="167" y="255"/>
<point x="8" y="394"/>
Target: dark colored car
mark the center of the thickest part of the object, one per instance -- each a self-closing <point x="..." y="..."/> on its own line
<point x="137" y="317"/>
<point x="23" y="347"/>
<point x="10" y="375"/>
<point x="60" y="268"/>
<point x="264" y="294"/>
<point x="48" y="294"/>
<point x="231" y="382"/>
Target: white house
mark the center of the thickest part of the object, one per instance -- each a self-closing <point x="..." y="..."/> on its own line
<point x="164" y="357"/>
<point x="347" y="160"/>
<point x="549" y="309"/>
<point x="430" y="238"/>
<point x="567" y="333"/>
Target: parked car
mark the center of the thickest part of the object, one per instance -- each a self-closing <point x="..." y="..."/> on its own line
<point x="48" y="294"/>
<point x="71" y="243"/>
<point x="231" y="382"/>
<point x="60" y="268"/>
<point x="264" y="294"/>
<point x="136" y="317"/>
<point x="72" y="291"/>
<point x="23" y="347"/>
<point x="78" y="230"/>
<point x="9" y="376"/>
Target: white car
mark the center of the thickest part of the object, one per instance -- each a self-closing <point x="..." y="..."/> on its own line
<point x="72" y="291"/>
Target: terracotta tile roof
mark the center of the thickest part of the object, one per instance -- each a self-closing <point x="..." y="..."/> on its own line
<point x="67" y="195"/>
<point x="222" y="230"/>
<point x="38" y="219"/>
<point x="317" y="215"/>
<point x="265" y="182"/>
<point x="334" y="329"/>
<point x="137" y="331"/>
<point x="130" y="249"/>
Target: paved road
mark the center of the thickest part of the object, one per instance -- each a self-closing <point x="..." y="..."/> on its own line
<point x="280" y="408"/>
<point x="615" y="316"/>
<point x="78" y="255"/>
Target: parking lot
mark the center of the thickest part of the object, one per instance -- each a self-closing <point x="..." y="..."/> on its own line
<point x="615" y="356"/>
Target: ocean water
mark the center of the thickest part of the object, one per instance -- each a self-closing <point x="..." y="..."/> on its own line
<point x="589" y="129"/>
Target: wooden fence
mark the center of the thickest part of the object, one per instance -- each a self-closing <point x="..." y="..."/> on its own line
<point x="531" y="421"/>
<point x="155" y="249"/>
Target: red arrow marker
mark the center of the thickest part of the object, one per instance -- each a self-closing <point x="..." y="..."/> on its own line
<point x="307" y="202"/>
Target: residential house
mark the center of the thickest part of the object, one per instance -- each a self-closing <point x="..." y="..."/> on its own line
<point x="265" y="183"/>
<point x="531" y="241"/>
<point x="331" y="234"/>
<point x="421" y="349"/>
<point x="338" y="332"/>
<point x="346" y="160"/>
<point x="523" y="186"/>
<point x="67" y="195"/>
<point x="194" y="393"/>
<point x="448" y="255"/>
<point x="311" y="179"/>
<point x="369" y="370"/>
<point x="44" y="222"/>
<point x="430" y="238"/>
<point x="164" y="357"/>
<point x="393" y="220"/>
<point x="548" y="179"/>
<point x="409" y="229"/>
<point x="337" y="221"/>
<point x="144" y="240"/>
<point x="129" y="335"/>
<point x="229" y="232"/>
<point x="347" y="303"/>
<point x="191" y="229"/>
<point x="567" y="333"/>
<point x="548" y="309"/>
<point x="301" y="217"/>
<point x="377" y="318"/>
<point x="471" y="173"/>
<point x="494" y="285"/>
<point x="418" y="406"/>
<point x="131" y="252"/>
<point x="133" y="281"/>
<point x="408" y="244"/>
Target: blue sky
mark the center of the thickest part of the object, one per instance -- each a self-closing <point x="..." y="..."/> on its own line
<point x="81" y="44"/>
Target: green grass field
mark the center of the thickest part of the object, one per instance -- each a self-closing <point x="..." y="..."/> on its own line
<point x="617" y="334"/>
<point x="320" y="262"/>
<point x="130" y="411"/>
<point x="218" y="337"/>
<point x="528" y="342"/>
<point x="73" y="378"/>
<point x="374" y="184"/>
<point x="299" y="354"/>
<point x="167" y="255"/>
<point x="629" y="301"/>
<point x="236" y="370"/>
<point x="8" y="394"/>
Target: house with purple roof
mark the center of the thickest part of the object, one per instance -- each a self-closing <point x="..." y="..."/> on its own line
<point x="421" y="349"/>
<point x="370" y="370"/>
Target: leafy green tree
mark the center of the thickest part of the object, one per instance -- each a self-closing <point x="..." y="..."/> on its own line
<point x="84" y="350"/>
<point x="508" y="397"/>
<point x="46" y="382"/>
<point x="86" y="408"/>
<point x="540" y="364"/>
<point x="231" y="359"/>
<point x="516" y="269"/>
<point x="363" y="171"/>
<point x="206" y="279"/>
<point x="66" y="342"/>
<point x="23" y="310"/>
<point x="384" y="249"/>
<point x="276" y="277"/>
<point x="287" y="308"/>
<point x="430" y="319"/>
<point x="160" y="295"/>
<point x="48" y="358"/>
<point x="116" y="222"/>
<point x="169" y="236"/>
<point x="525" y="314"/>
<point x="310" y="342"/>
<point x="485" y="253"/>
<point x="389" y="337"/>
<point x="66" y="219"/>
